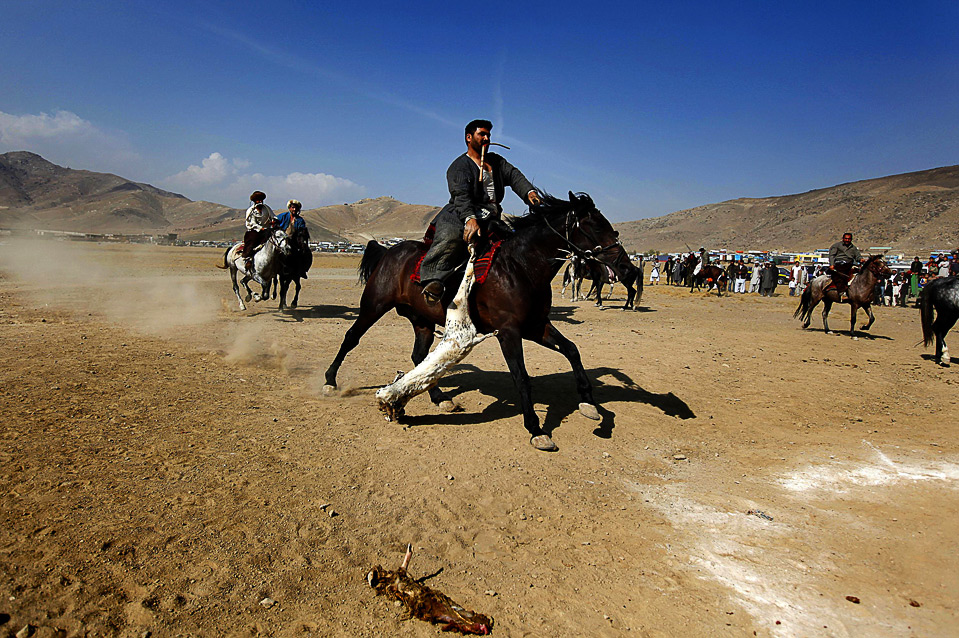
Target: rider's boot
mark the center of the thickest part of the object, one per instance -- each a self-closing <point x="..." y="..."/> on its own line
<point x="433" y="292"/>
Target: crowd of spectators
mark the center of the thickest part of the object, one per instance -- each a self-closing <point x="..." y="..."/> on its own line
<point x="763" y="277"/>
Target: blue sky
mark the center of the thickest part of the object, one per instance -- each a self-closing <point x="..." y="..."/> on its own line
<point x="649" y="107"/>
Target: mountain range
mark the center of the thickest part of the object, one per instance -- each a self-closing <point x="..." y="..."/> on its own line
<point x="911" y="212"/>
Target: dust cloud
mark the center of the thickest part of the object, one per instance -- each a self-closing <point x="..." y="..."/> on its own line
<point x="89" y="280"/>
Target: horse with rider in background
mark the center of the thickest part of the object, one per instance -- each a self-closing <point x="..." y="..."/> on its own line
<point x="262" y="268"/>
<point x="861" y="293"/>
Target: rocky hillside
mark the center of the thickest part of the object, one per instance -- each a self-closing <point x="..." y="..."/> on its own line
<point x="38" y="194"/>
<point x="911" y="212"/>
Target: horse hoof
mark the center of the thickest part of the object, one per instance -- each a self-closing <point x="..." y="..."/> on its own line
<point x="447" y="405"/>
<point x="830" y="332"/>
<point x="248" y="298"/>
<point x="855" y="338"/>
<point x="589" y="411"/>
<point x="329" y="390"/>
<point x="544" y="443"/>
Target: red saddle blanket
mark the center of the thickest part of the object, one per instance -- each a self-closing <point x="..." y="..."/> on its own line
<point x="480" y="267"/>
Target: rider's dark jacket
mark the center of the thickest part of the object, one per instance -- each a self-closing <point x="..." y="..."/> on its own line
<point x="468" y="199"/>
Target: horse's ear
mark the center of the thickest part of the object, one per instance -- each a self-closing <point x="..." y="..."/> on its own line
<point x="572" y="197"/>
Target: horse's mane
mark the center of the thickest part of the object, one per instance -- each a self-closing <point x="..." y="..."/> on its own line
<point x="545" y="213"/>
<point x="871" y="258"/>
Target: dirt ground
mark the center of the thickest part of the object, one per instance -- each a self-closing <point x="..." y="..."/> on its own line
<point x="168" y="462"/>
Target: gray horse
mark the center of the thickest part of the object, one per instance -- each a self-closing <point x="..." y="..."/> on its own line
<point x="266" y="265"/>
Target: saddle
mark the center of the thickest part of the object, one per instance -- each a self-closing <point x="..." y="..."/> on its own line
<point x="481" y="265"/>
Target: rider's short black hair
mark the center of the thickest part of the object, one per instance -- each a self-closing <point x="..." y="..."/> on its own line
<point x="475" y="124"/>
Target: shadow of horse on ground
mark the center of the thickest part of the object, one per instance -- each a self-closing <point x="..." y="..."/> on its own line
<point x="564" y="314"/>
<point x="560" y="401"/>
<point x="317" y="312"/>
<point x="869" y="336"/>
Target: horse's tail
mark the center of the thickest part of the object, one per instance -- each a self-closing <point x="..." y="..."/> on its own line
<point x="804" y="303"/>
<point x="225" y="266"/>
<point x="926" y="315"/>
<point x="371" y="257"/>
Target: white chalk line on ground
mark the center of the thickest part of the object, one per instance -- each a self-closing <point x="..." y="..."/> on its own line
<point x="777" y="570"/>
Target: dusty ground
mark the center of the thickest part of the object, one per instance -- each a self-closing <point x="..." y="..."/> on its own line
<point x="168" y="462"/>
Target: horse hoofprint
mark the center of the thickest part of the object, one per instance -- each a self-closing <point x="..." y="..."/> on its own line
<point x="458" y="340"/>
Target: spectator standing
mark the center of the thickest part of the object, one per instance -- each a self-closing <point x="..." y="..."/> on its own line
<point x="754" y="280"/>
<point x="954" y="264"/>
<point x="943" y="267"/>
<point x="742" y="272"/>
<point x="654" y="274"/>
<point x="768" y="279"/>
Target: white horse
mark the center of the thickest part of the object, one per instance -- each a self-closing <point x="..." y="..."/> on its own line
<point x="266" y="266"/>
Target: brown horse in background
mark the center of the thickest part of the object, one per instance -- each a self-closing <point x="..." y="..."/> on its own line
<point x="861" y="294"/>
<point x="514" y="301"/>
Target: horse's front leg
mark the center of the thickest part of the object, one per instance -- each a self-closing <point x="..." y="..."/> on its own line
<point x="246" y="284"/>
<point x="284" y="287"/>
<point x="511" y="344"/>
<point x="425" y="331"/>
<point x="296" y="294"/>
<point x="554" y="340"/>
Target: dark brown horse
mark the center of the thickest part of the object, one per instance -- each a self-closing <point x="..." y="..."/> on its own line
<point x="514" y="300"/>
<point x="861" y="294"/>
<point x="711" y="276"/>
<point x="622" y="271"/>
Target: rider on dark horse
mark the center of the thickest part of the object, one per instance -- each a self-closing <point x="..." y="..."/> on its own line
<point x="843" y="255"/>
<point x="295" y="226"/>
<point x="475" y="197"/>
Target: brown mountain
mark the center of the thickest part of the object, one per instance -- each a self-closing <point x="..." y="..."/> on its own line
<point x="912" y="212"/>
<point x="37" y="194"/>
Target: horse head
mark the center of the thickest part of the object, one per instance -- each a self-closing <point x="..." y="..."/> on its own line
<point x="589" y="230"/>
<point x="282" y="240"/>
<point x="877" y="266"/>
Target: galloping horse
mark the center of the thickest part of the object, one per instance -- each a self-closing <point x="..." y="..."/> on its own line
<point x="295" y="266"/>
<point x="630" y="274"/>
<point x="514" y="300"/>
<point x="266" y="265"/>
<point x="711" y="275"/>
<point x="576" y="271"/>
<point x="861" y="294"/>
<point x="942" y="296"/>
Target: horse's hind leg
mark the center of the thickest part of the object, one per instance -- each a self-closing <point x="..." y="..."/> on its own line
<point x="370" y="313"/>
<point x="940" y="327"/>
<point x="853" y="309"/>
<point x="236" y="287"/>
<point x="826" y="305"/>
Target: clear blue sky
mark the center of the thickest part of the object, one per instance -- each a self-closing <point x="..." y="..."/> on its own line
<point x="650" y="107"/>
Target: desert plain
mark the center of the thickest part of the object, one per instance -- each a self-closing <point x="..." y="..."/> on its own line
<point x="169" y="465"/>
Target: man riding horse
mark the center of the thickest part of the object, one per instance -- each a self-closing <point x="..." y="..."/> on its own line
<point x="843" y="255"/>
<point x="259" y="222"/>
<point x="477" y="182"/>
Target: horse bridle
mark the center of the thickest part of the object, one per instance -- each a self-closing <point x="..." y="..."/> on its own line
<point x="584" y="253"/>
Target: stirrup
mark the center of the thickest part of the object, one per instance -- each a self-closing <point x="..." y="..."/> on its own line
<point x="433" y="292"/>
